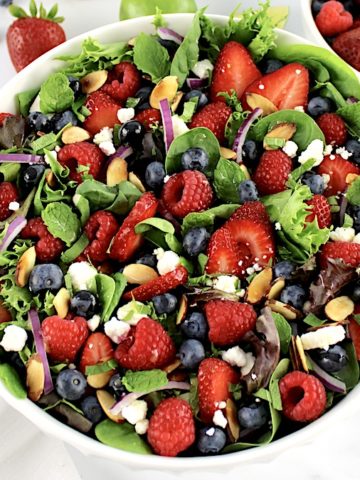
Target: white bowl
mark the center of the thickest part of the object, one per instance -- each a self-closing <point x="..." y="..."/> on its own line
<point x="124" y="464"/>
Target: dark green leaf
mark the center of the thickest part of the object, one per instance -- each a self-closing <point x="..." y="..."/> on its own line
<point x="227" y="177"/>
<point x="151" y="58"/>
<point x="207" y="218"/>
<point x="121" y="436"/>
<point x="284" y="331"/>
<point x="11" y="380"/>
<point x="144" y="381"/>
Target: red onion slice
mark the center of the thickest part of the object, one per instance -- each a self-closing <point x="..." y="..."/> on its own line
<point x="331" y="383"/>
<point x="122" y="152"/>
<point x="343" y="206"/>
<point x="40" y="348"/>
<point x="12" y="232"/>
<point x="243" y="131"/>
<point x="195" y="83"/>
<point x="167" y="122"/>
<point x="168" y="34"/>
<point x="129" y="399"/>
<point x="20" y="158"/>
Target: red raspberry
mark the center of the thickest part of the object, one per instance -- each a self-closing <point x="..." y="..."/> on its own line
<point x="149" y="117"/>
<point x="100" y="230"/>
<point x="213" y="116"/>
<point x="333" y="19"/>
<point x="272" y="172"/>
<point x="103" y="112"/>
<point x="48" y="248"/>
<point x="147" y="346"/>
<point x="82" y="154"/>
<point x="348" y="252"/>
<point x="334" y="128"/>
<point x="228" y="321"/>
<point x="64" y="338"/>
<point x="8" y="194"/>
<point x="321" y="210"/>
<point x="3" y="116"/>
<point x="97" y="349"/>
<point x="187" y="192"/>
<point x="303" y="396"/>
<point x="171" y="427"/>
<point x="123" y="82"/>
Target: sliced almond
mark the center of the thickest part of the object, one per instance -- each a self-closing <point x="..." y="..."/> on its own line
<point x="50" y="179"/>
<point x="350" y="178"/>
<point x="5" y="315"/>
<point x="246" y="172"/>
<point x="233" y="426"/>
<point x="24" y="267"/>
<point x="339" y="308"/>
<point x="74" y="135"/>
<point x="294" y="355"/>
<point x="276" y="288"/>
<point x="116" y="172"/>
<point x="35" y="377"/>
<point x="287" y="311"/>
<point x="93" y="81"/>
<point x="107" y="401"/>
<point x="172" y="366"/>
<point x="61" y="302"/>
<point x="99" y="380"/>
<point x="254" y="100"/>
<point x="227" y="153"/>
<point x="259" y="286"/>
<point x="166" y="88"/>
<point x="284" y="130"/>
<point x="176" y="102"/>
<point x="139" y="274"/>
<point x="135" y="180"/>
<point x="301" y="353"/>
<point x="183" y="308"/>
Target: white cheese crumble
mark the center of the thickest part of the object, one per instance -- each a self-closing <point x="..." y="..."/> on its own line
<point x="203" y="69"/>
<point x="250" y="361"/>
<point x="323" y="337"/>
<point x="82" y="275"/>
<point x="326" y="178"/>
<point x="179" y="126"/>
<point x="131" y="312"/>
<point x="277" y="226"/>
<point x="341" y="234"/>
<point x="166" y="178"/>
<point x="105" y="135"/>
<point x="343" y="153"/>
<point x="226" y="283"/>
<point x="167" y="262"/>
<point x="14" y="206"/>
<point x="219" y="419"/>
<point x="135" y="412"/>
<point x="290" y="148"/>
<point x="14" y="338"/>
<point x="107" y="148"/>
<point x="142" y="426"/>
<point x="125" y="114"/>
<point x="328" y="149"/>
<point x="210" y="432"/>
<point x="250" y="270"/>
<point x="236" y="357"/>
<point x="116" y="330"/>
<point x="314" y="151"/>
<point x="299" y="108"/>
<point x="94" y="322"/>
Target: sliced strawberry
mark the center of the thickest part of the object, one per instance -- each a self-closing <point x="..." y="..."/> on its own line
<point x="337" y="168"/>
<point x="97" y="349"/>
<point x="224" y="256"/>
<point x="347" y="46"/>
<point x="149" y="117"/>
<point x="320" y="210"/>
<point x="252" y="211"/>
<point x="103" y="112"/>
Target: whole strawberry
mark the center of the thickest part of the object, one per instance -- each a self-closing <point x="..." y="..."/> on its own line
<point x="29" y="36"/>
<point x="8" y="194"/>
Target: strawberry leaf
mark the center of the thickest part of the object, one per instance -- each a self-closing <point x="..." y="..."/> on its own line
<point x="17" y="11"/>
<point x="33" y="8"/>
<point x="53" y="11"/>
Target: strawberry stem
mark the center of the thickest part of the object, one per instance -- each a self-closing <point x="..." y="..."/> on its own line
<point x="36" y="12"/>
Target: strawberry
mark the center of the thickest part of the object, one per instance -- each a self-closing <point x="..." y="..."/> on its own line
<point x="347" y="46"/>
<point x="213" y="116"/>
<point x="337" y="168"/>
<point x="354" y="331"/>
<point x="320" y="210"/>
<point x="187" y="192"/>
<point x="103" y="112"/>
<point x="48" y="248"/>
<point x="224" y="255"/>
<point x="252" y="211"/>
<point x="214" y="379"/>
<point x="348" y="252"/>
<point x="5" y="315"/>
<point x="146" y="347"/>
<point x="123" y="82"/>
<point x="171" y="427"/>
<point x="81" y="154"/>
<point x="333" y="19"/>
<point x="126" y="241"/>
<point x="333" y="128"/>
<point x="97" y="349"/>
<point x="28" y="37"/>
<point x="159" y="285"/>
<point x="286" y="88"/>
<point x="272" y="172"/>
<point x="228" y="321"/>
<point x="148" y="117"/>
<point x="8" y="194"/>
<point x="234" y="70"/>
<point x="63" y="338"/>
<point x="3" y="116"/>
<point x="100" y="230"/>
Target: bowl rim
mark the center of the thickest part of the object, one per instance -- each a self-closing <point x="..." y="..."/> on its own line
<point x="90" y="446"/>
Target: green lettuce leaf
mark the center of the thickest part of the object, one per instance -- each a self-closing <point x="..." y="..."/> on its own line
<point x="353" y="192"/>
<point x="150" y="57"/>
<point x="56" y="94"/>
<point x="144" y="381"/>
<point x="227" y="177"/>
<point x="351" y="115"/>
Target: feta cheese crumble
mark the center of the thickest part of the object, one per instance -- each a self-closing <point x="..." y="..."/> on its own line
<point x="125" y="114"/>
<point x="82" y="275"/>
<point x="343" y="153"/>
<point x="313" y="152"/>
<point x="219" y="419"/>
<point x="167" y="261"/>
<point x="135" y="412"/>
<point x="328" y="149"/>
<point x="277" y="226"/>
<point x="142" y="426"/>
<point x="290" y="148"/>
<point x="323" y="337"/>
<point x="14" y="206"/>
<point x="107" y="148"/>
<point x="236" y="357"/>
<point x="341" y="234"/>
<point x="226" y="283"/>
<point x="105" y="135"/>
<point x="203" y="69"/>
<point x="14" y="338"/>
<point x="94" y="322"/>
<point x="116" y="329"/>
<point x="210" y="432"/>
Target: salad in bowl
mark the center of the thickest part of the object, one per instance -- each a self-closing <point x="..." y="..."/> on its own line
<point x="179" y="243"/>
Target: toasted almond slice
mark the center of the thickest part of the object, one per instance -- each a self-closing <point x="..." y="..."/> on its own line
<point x="254" y="100"/>
<point x="106" y="401"/>
<point x="176" y="102"/>
<point x="50" y="179"/>
<point x="93" y="81"/>
<point x="294" y="355"/>
<point x="227" y="153"/>
<point x="276" y="288"/>
<point x="172" y="366"/>
<point x="246" y="171"/>
<point x="116" y="172"/>
<point x="100" y="380"/>
<point x="287" y="311"/>
<point x="259" y="286"/>
<point x="61" y="302"/>
<point x="139" y="274"/>
<point x="24" y="267"/>
<point x="183" y="308"/>
<point x="35" y="377"/>
<point x="350" y="178"/>
<point x="166" y="88"/>
<point x="135" y="180"/>
<point x="5" y="315"/>
<point x="339" y="308"/>
<point x="301" y="353"/>
<point x="74" y="134"/>
<point x="283" y="130"/>
<point x="233" y="426"/>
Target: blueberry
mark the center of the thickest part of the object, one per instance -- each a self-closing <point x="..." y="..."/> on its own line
<point x="132" y="133"/>
<point x="148" y="259"/>
<point x="355" y="294"/>
<point x="314" y="182"/>
<point x="144" y="106"/>
<point x="30" y="177"/>
<point x="116" y="385"/>
<point x="92" y="409"/>
<point x="293" y="295"/>
<point x="247" y="191"/>
<point x="211" y="440"/>
<point x="155" y="174"/>
<point x="39" y="122"/>
<point x="5" y="3"/>
<point x="143" y="94"/>
<point x="60" y="120"/>
<point x="83" y="304"/>
<point x="271" y="65"/>
<point x="317" y="6"/>
<point x="319" y="105"/>
<point x="191" y="352"/>
<point x="46" y="276"/>
<point x="202" y="98"/>
<point x="284" y="269"/>
<point x="195" y="326"/>
<point x="254" y="415"/>
<point x="75" y="86"/>
<point x="170" y="46"/>
<point x="195" y="159"/>
<point x="195" y="241"/>
<point x="331" y="360"/>
<point x="70" y="384"/>
<point x="165" y="303"/>
<point x="250" y="151"/>
<point x="353" y="146"/>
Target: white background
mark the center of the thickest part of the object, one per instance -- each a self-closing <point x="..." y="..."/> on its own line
<point x="27" y="454"/>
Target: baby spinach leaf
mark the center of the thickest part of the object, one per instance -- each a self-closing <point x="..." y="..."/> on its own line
<point x="160" y="232"/>
<point x="144" y="381"/>
<point x="284" y="331"/>
<point x="61" y="222"/>
<point x="227" y="177"/>
<point x="82" y="204"/>
<point x="353" y="192"/>
<point x="11" y="380"/>
<point x="150" y="57"/>
<point x="105" y="286"/>
<point x="121" y="436"/>
<point x="75" y="250"/>
<point x="56" y="94"/>
<point x="313" y="320"/>
<point x="351" y="115"/>
<point x="120" y="284"/>
<point x="279" y="372"/>
<point x="127" y="195"/>
<point x="101" y="367"/>
<point x="350" y="373"/>
<point x="25" y="100"/>
<point x="329" y="90"/>
<point x="157" y="223"/>
<point x="207" y="218"/>
<point x="9" y="171"/>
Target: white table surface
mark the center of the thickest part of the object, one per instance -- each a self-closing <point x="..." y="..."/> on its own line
<point x="25" y="453"/>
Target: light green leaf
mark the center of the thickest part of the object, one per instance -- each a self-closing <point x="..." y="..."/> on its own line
<point x="313" y="320"/>
<point x="227" y="177"/>
<point x="144" y="381"/>
<point x="11" y="380"/>
<point x="56" y="94"/>
<point x="353" y="192"/>
<point x="68" y="256"/>
<point x="25" y="100"/>
<point x="284" y="331"/>
<point x="61" y="222"/>
<point x="101" y="367"/>
<point x="279" y="372"/>
<point x="151" y="58"/>
<point x="351" y="115"/>
<point x="206" y="219"/>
